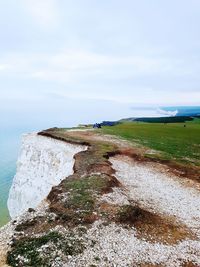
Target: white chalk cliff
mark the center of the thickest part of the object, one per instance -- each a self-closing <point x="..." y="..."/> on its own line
<point x="42" y="164"/>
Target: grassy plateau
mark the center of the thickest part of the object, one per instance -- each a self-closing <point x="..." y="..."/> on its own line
<point x="175" y="141"/>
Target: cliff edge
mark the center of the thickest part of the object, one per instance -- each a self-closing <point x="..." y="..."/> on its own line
<point x="81" y="198"/>
<point x="42" y="164"/>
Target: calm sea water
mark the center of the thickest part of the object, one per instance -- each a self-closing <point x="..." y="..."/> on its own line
<point x="9" y="147"/>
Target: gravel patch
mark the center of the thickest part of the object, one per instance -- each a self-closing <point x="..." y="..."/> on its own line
<point x="117" y="197"/>
<point x="119" y="247"/>
<point x="6" y="233"/>
<point x="159" y="192"/>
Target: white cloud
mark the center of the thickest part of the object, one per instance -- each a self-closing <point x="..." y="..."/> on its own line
<point x="167" y="113"/>
<point x="44" y="12"/>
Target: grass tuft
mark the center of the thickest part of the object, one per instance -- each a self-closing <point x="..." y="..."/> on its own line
<point x="40" y="251"/>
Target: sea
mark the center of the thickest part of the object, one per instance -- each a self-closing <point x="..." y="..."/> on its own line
<point x="10" y="141"/>
<point x="9" y="145"/>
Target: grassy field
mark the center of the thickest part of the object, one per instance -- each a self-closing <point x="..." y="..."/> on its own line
<point x="173" y="141"/>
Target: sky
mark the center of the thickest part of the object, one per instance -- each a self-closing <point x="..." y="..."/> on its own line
<point x="80" y="61"/>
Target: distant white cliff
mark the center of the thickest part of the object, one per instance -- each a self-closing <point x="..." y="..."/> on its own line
<point x="42" y="164"/>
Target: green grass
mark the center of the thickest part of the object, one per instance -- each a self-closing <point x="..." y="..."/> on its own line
<point x="89" y="183"/>
<point x="28" y="249"/>
<point x="173" y="141"/>
<point x="82" y="196"/>
<point x="26" y="252"/>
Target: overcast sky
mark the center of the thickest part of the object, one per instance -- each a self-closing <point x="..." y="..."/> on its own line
<point x="98" y="56"/>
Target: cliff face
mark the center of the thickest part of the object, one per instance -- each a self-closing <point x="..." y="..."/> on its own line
<point x="42" y="164"/>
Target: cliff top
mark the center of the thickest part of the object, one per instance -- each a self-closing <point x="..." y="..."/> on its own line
<point x="120" y="207"/>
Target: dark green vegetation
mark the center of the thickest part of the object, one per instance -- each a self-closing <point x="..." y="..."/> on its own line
<point x="172" y="141"/>
<point x="28" y="252"/>
<point x="23" y="226"/>
<point x="175" y="119"/>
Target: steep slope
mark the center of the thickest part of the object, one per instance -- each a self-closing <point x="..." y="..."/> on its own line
<point x="42" y="164"/>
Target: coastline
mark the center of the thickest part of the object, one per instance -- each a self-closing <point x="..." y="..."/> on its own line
<point x="97" y="205"/>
